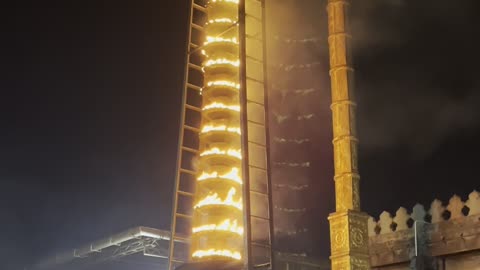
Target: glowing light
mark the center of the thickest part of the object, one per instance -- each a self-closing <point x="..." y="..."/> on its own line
<point x="232" y="175"/>
<point x="226" y="226"/>
<point x="227" y="1"/>
<point x="215" y="252"/>
<point x="222" y="61"/>
<point x="220" y="39"/>
<point x="224" y="83"/>
<point x="210" y="128"/>
<point x="213" y="199"/>
<point x="221" y="193"/>
<point x="217" y="151"/>
<point x="218" y="105"/>
<point x="221" y="20"/>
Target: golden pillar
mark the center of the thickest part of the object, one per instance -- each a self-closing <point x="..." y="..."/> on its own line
<point x="348" y="226"/>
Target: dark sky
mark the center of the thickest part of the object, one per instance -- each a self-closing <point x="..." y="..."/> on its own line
<point x="90" y="101"/>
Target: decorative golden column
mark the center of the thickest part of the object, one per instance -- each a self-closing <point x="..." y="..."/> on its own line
<point x="348" y="226"/>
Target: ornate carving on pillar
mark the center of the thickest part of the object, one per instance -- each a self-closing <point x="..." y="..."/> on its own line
<point x="348" y="226"/>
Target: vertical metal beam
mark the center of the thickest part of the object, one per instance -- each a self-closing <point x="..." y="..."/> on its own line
<point x="244" y="128"/>
<point x="267" y="132"/>
<point x="258" y="205"/>
<point x="348" y="226"/>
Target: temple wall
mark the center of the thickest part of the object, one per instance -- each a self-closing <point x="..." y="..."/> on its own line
<point x="446" y="237"/>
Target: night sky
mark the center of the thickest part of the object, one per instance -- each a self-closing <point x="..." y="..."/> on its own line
<point x="90" y="105"/>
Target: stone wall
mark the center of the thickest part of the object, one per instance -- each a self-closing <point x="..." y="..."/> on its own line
<point x="447" y="236"/>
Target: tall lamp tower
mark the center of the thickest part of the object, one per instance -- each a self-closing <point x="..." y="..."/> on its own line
<point x="222" y="198"/>
<point x="348" y="226"/>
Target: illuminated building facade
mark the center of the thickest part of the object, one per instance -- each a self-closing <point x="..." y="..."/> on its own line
<point x="235" y="165"/>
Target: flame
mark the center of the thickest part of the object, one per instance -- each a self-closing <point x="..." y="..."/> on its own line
<point x="227" y="226"/>
<point x="217" y="151"/>
<point x="217" y="52"/>
<point x="209" y="128"/>
<point x="213" y="199"/>
<point x="220" y="39"/>
<point x="228" y="1"/>
<point x="219" y="105"/>
<point x="215" y="252"/>
<point x="231" y="175"/>
<point x="224" y="83"/>
<point x="222" y="61"/>
<point x="222" y="20"/>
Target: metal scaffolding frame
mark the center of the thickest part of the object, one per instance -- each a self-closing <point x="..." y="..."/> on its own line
<point x="139" y="240"/>
<point x="187" y="147"/>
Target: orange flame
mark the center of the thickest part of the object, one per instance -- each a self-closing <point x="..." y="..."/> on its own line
<point x="222" y="61"/>
<point x="232" y="175"/>
<point x="224" y="83"/>
<point x="221" y="20"/>
<point x="228" y="1"/>
<point x="219" y="105"/>
<point x="213" y="199"/>
<point x="217" y="151"/>
<point x="209" y="128"/>
<point x="227" y="225"/>
<point x="215" y="252"/>
<point x="220" y="39"/>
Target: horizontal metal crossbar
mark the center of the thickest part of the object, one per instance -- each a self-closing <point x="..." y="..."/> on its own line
<point x="193" y="108"/>
<point x="189" y="194"/>
<point x="188" y="171"/>
<point x="194" y="129"/>
<point x="258" y="192"/>
<point x="196" y="67"/>
<point x="183" y="215"/>
<point x="199" y="8"/>
<point x="181" y="239"/>
<point x="259" y="217"/>
<point x="197" y="27"/>
<point x="194" y="87"/>
<point x="191" y="150"/>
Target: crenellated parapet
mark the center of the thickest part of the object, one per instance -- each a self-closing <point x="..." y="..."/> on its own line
<point x="442" y="230"/>
<point x="438" y="212"/>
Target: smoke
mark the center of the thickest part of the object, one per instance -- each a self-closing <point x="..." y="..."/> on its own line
<point x="420" y="122"/>
<point x="415" y="88"/>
